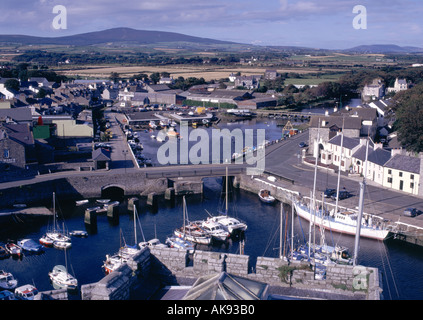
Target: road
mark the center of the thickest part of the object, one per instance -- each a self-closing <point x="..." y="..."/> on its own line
<point x="283" y="161"/>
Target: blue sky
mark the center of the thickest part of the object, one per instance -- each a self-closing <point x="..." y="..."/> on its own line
<point x="310" y="23"/>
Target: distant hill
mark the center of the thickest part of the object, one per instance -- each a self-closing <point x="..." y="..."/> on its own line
<point x="116" y="35"/>
<point x="384" y="48"/>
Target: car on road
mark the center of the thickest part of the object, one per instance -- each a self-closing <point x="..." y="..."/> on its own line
<point x="342" y="195"/>
<point x="329" y="192"/>
<point x="302" y="145"/>
<point x="411" y="212"/>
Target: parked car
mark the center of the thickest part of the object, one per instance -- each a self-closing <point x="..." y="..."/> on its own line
<point x="329" y="192"/>
<point x="342" y="195"/>
<point x="411" y="212"/>
<point x="302" y="145"/>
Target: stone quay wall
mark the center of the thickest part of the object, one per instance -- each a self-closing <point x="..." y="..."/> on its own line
<point x="92" y="186"/>
<point x="169" y="264"/>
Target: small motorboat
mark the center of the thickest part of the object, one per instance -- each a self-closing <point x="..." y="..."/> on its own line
<point x="61" y="278"/>
<point x="81" y="202"/>
<point x="111" y="204"/>
<point x="214" y="229"/>
<point x="79" y="233"/>
<point x="62" y="244"/>
<point x="19" y="205"/>
<point x="30" y="246"/>
<point x="103" y="201"/>
<point x="179" y="243"/>
<point x="13" y="249"/>
<point x="46" y="241"/>
<point x="7" y="295"/>
<point x="152" y="243"/>
<point x="26" y="292"/>
<point x="7" y="281"/>
<point x="265" y="196"/>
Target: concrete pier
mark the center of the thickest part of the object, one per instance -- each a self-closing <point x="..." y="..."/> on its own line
<point x="90" y="217"/>
<point x="133" y="202"/>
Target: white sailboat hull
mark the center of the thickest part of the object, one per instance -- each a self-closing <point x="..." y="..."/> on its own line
<point x="333" y="225"/>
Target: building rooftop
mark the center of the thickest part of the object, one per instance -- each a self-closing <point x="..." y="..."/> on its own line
<point x="404" y="163"/>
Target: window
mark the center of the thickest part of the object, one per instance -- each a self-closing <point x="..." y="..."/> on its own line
<point x="6" y="154"/>
<point x="400" y="174"/>
<point x="411" y="176"/>
<point x="412" y="185"/>
<point x="389" y="171"/>
<point x="389" y="180"/>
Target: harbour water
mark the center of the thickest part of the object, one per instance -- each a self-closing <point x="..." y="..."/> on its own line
<point x="400" y="263"/>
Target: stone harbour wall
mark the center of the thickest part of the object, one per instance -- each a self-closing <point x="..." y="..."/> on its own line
<point x="167" y="265"/>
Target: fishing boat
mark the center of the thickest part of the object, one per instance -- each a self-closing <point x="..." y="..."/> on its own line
<point x="46" y="241"/>
<point x="179" y="243"/>
<point x="265" y="196"/>
<point x="7" y="280"/>
<point x="62" y="279"/>
<point x="30" y="246"/>
<point x="13" y="249"/>
<point x="26" y="292"/>
<point x="81" y="202"/>
<point x="191" y="231"/>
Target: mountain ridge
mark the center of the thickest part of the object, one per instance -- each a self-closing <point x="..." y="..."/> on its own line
<point x="145" y="37"/>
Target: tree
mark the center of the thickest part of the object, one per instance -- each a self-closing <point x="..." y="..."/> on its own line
<point x="409" y="112"/>
<point x="12" y="84"/>
<point x="114" y="76"/>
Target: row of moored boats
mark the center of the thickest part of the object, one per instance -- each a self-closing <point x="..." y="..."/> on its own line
<point x="202" y="232"/>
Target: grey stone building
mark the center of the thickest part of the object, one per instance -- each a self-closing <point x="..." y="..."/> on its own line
<point x="17" y="147"/>
<point x="327" y="127"/>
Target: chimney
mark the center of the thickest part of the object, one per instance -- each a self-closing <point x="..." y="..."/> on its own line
<point x="378" y="146"/>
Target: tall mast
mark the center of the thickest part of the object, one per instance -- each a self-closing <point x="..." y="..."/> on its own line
<point x="312" y="200"/>
<point x="280" y="233"/>
<point x="292" y="230"/>
<point x="360" y="209"/>
<point x="339" y="167"/>
<point x="226" y="192"/>
<point x="135" y="225"/>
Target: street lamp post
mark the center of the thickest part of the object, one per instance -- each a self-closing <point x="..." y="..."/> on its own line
<point x="125" y="152"/>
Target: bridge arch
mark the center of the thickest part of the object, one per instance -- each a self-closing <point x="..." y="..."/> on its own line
<point x="113" y="192"/>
